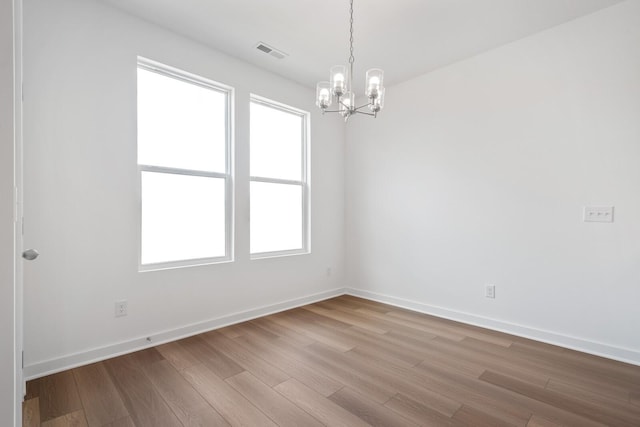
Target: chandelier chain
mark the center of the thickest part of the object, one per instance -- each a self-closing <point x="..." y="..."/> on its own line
<point x="351" y="57"/>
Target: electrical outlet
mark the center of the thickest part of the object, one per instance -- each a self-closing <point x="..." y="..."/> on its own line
<point x="490" y="291"/>
<point x="121" y="308"/>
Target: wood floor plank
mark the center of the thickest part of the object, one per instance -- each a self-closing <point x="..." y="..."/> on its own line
<point x="380" y="321"/>
<point x="234" y="407"/>
<point x="367" y="410"/>
<point x="533" y="366"/>
<point x="592" y="397"/>
<point x="533" y="362"/>
<point x="143" y="402"/>
<point x="231" y="331"/>
<point x="100" y="399"/>
<point x="417" y="412"/>
<point x="281" y="332"/>
<point x="365" y="303"/>
<point x="579" y="365"/>
<point x="263" y="370"/>
<point x="465" y="329"/>
<point x="537" y="421"/>
<point x="281" y="410"/>
<point x="58" y="395"/>
<point x="220" y="364"/>
<point x="474" y="393"/>
<point x="145" y="357"/>
<point x="456" y="328"/>
<point x="569" y="403"/>
<point x="388" y="379"/>
<point x="177" y="355"/>
<point x="382" y="345"/>
<point x="634" y="398"/>
<point x="300" y="314"/>
<point x="333" y="364"/>
<point x="315" y="332"/>
<point x="409" y="338"/>
<point x="72" y="419"/>
<point x="185" y="402"/>
<point x="395" y="357"/>
<point x="416" y="322"/>
<point x="317" y="405"/>
<point x="609" y="368"/>
<point x="461" y="355"/>
<point x="470" y="416"/>
<point x="31" y="412"/>
<point x="289" y="363"/>
<point x="411" y="327"/>
<point x="401" y="380"/>
<point x="347" y="318"/>
<point x="122" y="422"/>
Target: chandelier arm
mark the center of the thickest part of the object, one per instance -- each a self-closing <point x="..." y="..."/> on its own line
<point x="345" y="105"/>
<point x="362" y="106"/>
<point x="352" y="112"/>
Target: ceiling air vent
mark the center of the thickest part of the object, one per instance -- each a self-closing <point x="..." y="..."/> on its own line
<point x="271" y="50"/>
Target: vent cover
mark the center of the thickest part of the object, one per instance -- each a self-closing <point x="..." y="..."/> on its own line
<point x="271" y="50"/>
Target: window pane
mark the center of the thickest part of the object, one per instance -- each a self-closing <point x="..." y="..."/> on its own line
<point x="276" y="217"/>
<point x="183" y="217"/>
<point x="276" y="143"/>
<point x="180" y="124"/>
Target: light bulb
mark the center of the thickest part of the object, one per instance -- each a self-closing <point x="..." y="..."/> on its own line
<point x="338" y="80"/>
<point x="373" y="83"/>
<point x="323" y="95"/>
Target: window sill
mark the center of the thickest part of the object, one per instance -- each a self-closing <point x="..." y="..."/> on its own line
<point x="279" y="254"/>
<point x="182" y="264"/>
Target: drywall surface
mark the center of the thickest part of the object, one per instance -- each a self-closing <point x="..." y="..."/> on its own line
<point x="7" y="207"/>
<point x="478" y="174"/>
<point x="81" y="201"/>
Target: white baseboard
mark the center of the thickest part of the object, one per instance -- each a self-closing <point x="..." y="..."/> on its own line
<point x="47" y="367"/>
<point x="599" y="349"/>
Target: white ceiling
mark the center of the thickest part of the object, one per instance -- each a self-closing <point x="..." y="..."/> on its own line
<point x="404" y="37"/>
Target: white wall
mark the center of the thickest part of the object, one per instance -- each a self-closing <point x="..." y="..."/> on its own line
<point x="7" y="290"/>
<point x="477" y="173"/>
<point x="81" y="206"/>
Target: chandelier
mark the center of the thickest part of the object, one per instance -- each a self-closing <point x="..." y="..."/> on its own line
<point x="339" y="87"/>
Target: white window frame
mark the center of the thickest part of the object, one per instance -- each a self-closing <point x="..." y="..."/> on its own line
<point x="304" y="182"/>
<point x="228" y="91"/>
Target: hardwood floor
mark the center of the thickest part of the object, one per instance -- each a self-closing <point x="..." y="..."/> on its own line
<point x="343" y="362"/>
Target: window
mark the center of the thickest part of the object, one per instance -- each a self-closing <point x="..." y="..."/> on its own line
<point x="184" y="143"/>
<point x="279" y="187"/>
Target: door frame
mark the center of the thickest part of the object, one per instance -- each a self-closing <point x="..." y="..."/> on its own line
<point x="20" y="384"/>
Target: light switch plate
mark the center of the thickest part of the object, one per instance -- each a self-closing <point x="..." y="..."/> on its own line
<point x="598" y="214"/>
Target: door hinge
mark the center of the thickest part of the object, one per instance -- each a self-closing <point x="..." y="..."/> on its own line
<point x="22" y="359"/>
